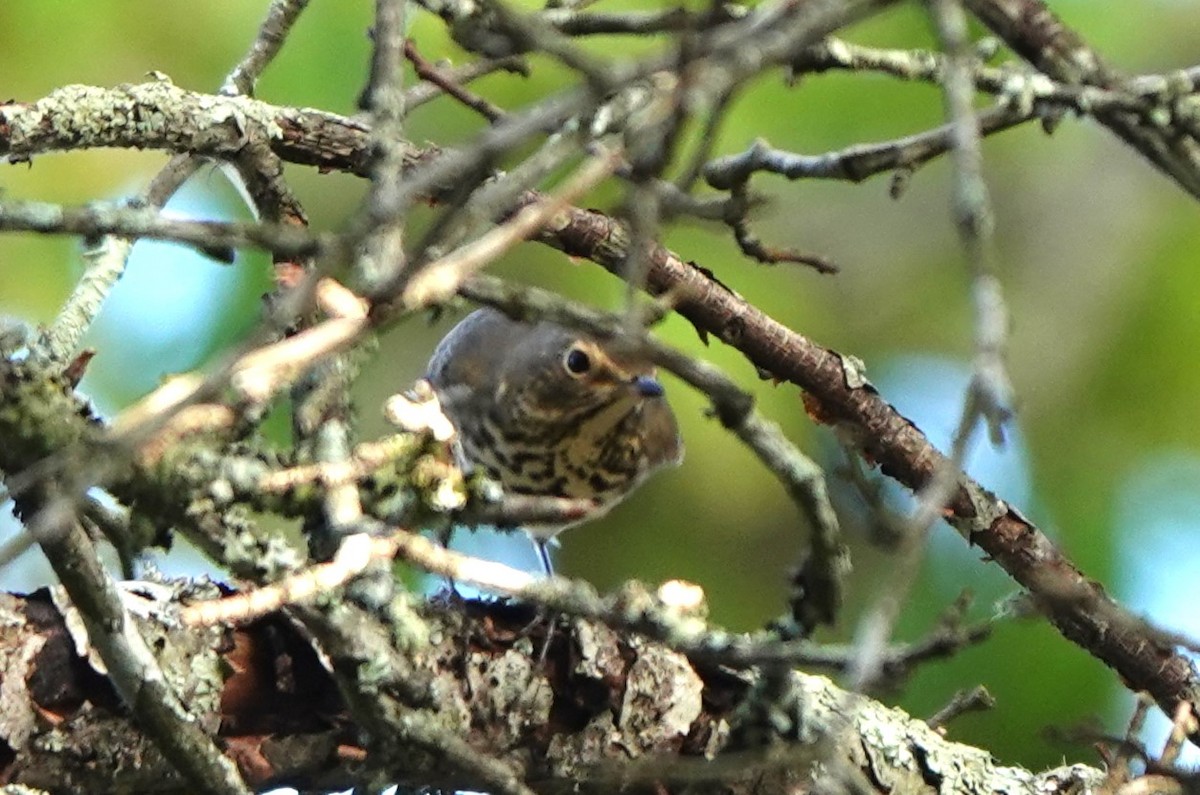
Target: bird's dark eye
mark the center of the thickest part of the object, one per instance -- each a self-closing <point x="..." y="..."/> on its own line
<point x="577" y="362"/>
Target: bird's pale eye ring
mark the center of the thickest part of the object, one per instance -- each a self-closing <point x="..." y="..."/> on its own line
<point x="577" y="362"/>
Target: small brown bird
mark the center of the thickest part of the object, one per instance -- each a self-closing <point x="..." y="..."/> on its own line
<point x="546" y="411"/>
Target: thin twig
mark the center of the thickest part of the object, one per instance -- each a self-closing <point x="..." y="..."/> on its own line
<point x="382" y="258"/>
<point x="431" y="74"/>
<point x="439" y="280"/>
<point x="425" y="92"/>
<point x="281" y="16"/>
<point x="353" y="556"/>
<point x="976" y="699"/>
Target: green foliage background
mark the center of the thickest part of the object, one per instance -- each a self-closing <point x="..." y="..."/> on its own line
<point x="1097" y="255"/>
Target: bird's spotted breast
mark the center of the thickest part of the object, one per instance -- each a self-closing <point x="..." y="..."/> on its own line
<point x="593" y="459"/>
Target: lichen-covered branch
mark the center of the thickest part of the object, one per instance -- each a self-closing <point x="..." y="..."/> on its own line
<point x="282" y="719"/>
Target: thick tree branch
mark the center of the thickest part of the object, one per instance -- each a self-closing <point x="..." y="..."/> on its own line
<point x="283" y="721"/>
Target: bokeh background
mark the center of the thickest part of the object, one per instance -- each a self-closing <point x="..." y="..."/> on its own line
<point x="1097" y="254"/>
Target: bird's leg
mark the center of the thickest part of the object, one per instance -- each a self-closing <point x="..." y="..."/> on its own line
<point x="542" y="545"/>
<point x="444" y="535"/>
<point x="543" y="550"/>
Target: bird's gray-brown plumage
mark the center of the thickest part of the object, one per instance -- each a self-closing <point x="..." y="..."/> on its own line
<point x="547" y="411"/>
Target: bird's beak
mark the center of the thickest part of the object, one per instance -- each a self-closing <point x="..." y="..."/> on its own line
<point x="647" y="386"/>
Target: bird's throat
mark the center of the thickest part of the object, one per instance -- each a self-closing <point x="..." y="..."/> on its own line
<point x="595" y="429"/>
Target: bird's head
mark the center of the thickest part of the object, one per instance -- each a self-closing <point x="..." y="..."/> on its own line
<point x="558" y="374"/>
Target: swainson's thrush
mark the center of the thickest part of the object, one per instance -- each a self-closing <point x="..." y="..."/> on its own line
<point x="546" y="411"/>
